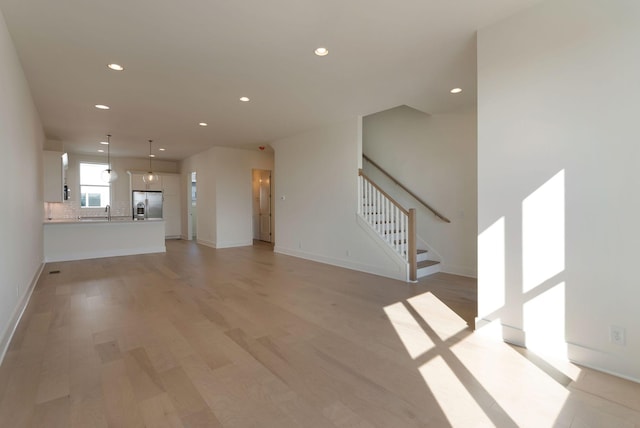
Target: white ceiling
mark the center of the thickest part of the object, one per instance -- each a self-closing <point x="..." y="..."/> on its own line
<point x="189" y="61"/>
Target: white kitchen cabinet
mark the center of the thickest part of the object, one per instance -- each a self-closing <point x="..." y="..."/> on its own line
<point x="157" y="185"/>
<point x="171" y="205"/>
<point x="137" y="183"/>
<point x="53" y="176"/>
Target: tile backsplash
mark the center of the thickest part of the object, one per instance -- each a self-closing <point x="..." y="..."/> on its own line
<point x="72" y="210"/>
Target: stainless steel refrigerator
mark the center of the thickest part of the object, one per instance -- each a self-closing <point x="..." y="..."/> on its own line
<point x="152" y="203"/>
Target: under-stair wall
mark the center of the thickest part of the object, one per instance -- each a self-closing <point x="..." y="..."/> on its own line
<point x="435" y="157"/>
<point x="316" y="188"/>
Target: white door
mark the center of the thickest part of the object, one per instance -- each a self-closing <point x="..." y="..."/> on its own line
<point x="265" y="206"/>
<point x="192" y="207"/>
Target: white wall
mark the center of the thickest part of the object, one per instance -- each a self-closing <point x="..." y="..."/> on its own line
<point x="21" y="139"/>
<point x="316" y="200"/>
<point x="435" y="157"/>
<point x="558" y="179"/>
<point x="224" y="194"/>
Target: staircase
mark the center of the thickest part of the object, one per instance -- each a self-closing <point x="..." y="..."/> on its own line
<point x="395" y="225"/>
<point x="426" y="266"/>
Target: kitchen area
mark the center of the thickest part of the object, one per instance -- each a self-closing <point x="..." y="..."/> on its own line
<point x="86" y="216"/>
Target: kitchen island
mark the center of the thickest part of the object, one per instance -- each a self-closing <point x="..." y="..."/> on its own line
<point x="72" y="239"/>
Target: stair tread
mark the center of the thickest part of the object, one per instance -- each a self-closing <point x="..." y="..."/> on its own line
<point x="427" y="263"/>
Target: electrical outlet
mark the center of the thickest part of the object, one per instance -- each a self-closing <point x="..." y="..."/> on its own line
<point x="617" y="335"/>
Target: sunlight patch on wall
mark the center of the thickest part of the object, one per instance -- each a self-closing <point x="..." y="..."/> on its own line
<point x="460" y="408"/>
<point x="491" y="268"/>
<point x="544" y="322"/>
<point x="413" y="337"/>
<point x="543" y="227"/>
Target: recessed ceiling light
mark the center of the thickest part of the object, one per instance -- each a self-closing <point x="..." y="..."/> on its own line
<point x="102" y="107"/>
<point x="104" y="143"/>
<point x="101" y="151"/>
<point x="116" y="67"/>
<point x="152" y="156"/>
<point x="322" y="51"/>
<point x="162" y="149"/>
<point x="456" y="90"/>
<point x="244" y="99"/>
<point x="203" y="124"/>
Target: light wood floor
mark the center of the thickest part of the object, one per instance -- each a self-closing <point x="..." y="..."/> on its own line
<point x="244" y="337"/>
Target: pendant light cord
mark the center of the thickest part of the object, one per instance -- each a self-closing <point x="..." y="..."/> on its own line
<point x="150" y="170"/>
<point x="109" y="152"/>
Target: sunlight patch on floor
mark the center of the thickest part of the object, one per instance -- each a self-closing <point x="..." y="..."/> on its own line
<point x="413" y="337"/>
<point x="459" y="406"/>
<point x="441" y="319"/>
<point x="477" y="381"/>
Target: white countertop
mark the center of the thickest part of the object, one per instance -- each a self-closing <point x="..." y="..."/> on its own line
<point x="114" y="220"/>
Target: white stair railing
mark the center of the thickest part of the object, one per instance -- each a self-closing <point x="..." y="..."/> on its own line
<point x="393" y="223"/>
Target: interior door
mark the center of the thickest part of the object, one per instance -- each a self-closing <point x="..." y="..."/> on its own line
<point x="265" y="206"/>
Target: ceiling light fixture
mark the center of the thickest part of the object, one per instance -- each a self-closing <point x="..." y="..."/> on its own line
<point x="244" y="99"/>
<point x="100" y="150"/>
<point x="203" y="124"/>
<point x="150" y="177"/>
<point x="102" y="107"/>
<point x="115" y="67"/>
<point x="104" y="143"/>
<point x="108" y="175"/>
<point x="321" y="51"/>
<point x="162" y="149"/>
<point x="456" y="90"/>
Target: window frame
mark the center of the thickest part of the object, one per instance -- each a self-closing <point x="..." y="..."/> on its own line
<point x="94" y="184"/>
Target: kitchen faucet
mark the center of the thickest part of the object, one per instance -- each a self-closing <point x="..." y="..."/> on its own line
<point x="107" y="209"/>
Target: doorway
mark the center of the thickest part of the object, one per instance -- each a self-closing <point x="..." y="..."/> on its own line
<point x="192" y="231"/>
<point x="262" y="218"/>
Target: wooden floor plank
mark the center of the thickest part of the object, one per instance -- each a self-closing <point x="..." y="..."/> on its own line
<point x="243" y="337"/>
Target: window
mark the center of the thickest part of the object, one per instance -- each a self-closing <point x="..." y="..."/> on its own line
<point x="94" y="192"/>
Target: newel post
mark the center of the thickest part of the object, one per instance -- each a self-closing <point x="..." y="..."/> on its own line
<point x="412" y="251"/>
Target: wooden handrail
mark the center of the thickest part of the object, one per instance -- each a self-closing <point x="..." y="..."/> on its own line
<point x="416" y="197"/>
<point x="393" y="201"/>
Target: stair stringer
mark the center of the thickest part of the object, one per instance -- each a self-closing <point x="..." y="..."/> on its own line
<point x="402" y="264"/>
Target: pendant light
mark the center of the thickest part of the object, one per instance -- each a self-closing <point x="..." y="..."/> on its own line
<point x="109" y="175"/>
<point x="150" y="177"/>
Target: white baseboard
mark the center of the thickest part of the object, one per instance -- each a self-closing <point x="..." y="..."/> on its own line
<point x="513" y="335"/>
<point x="460" y="271"/>
<point x="347" y="264"/>
<point x="232" y="244"/>
<point x="613" y="364"/>
<point x="206" y="243"/>
<point x="8" y="333"/>
<point x="221" y="245"/>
